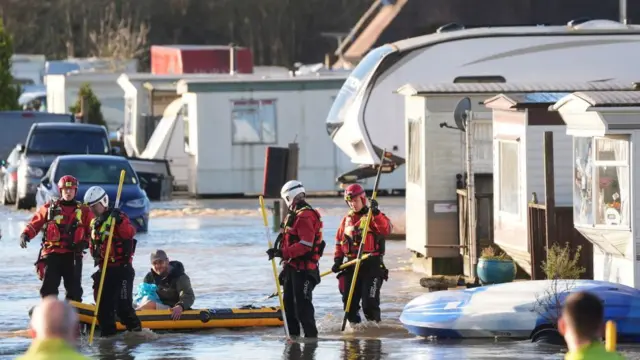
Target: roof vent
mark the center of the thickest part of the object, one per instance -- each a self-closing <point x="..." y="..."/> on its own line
<point x="578" y="21"/>
<point x="450" y="27"/>
<point x="600" y="25"/>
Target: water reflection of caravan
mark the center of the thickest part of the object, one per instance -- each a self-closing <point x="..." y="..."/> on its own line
<point x="367" y="116"/>
<point x="167" y="142"/>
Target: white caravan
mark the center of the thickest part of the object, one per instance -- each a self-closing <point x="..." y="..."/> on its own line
<point x="367" y="116"/>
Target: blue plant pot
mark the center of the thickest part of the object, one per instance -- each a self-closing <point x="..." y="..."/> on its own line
<point x="496" y="271"/>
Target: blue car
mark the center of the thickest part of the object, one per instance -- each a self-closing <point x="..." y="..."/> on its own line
<point x="103" y="171"/>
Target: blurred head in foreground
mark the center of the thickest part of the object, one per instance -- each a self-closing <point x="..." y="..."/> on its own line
<point x="582" y="320"/>
<point x="53" y="318"/>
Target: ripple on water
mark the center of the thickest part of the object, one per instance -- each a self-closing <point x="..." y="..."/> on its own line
<point x="224" y="254"/>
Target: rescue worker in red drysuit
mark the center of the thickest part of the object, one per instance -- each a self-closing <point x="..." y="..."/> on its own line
<point x="300" y="245"/>
<point x="64" y="223"/>
<point x="372" y="270"/>
<point x="118" y="281"/>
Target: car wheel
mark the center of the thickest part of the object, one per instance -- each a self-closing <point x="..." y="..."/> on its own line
<point x="23" y="204"/>
<point x="3" y="196"/>
<point x="548" y="336"/>
<point x="9" y="198"/>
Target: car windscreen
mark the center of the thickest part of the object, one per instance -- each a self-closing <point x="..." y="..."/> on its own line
<point x="64" y="141"/>
<point x="95" y="172"/>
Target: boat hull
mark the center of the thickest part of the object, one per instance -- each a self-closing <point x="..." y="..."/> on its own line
<point x="194" y="319"/>
<point x="515" y="310"/>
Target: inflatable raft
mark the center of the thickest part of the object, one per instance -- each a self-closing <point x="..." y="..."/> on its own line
<point x="195" y="319"/>
<point x="517" y="310"/>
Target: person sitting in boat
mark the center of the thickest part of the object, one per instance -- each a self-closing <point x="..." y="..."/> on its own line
<point x="118" y="280"/>
<point x="581" y="324"/>
<point x="348" y="242"/>
<point x="173" y="285"/>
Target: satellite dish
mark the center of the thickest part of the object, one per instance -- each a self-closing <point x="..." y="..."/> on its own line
<point x="460" y="112"/>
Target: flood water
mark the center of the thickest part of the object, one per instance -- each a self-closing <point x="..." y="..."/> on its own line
<point x="222" y="246"/>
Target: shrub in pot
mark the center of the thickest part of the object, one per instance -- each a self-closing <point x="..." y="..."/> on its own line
<point x="495" y="267"/>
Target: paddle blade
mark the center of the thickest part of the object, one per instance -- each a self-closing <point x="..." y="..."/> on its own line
<point x="263" y="210"/>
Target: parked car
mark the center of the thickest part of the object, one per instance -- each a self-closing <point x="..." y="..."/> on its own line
<point x="103" y="171"/>
<point x="9" y="178"/>
<point x="45" y="142"/>
<point x="19" y="123"/>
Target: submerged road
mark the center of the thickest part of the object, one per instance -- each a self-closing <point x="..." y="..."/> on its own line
<point x="222" y="246"/>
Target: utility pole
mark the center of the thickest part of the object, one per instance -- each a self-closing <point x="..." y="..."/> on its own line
<point x="471" y="195"/>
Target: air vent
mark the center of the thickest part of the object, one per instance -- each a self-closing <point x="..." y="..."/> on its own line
<point x="450" y="27"/>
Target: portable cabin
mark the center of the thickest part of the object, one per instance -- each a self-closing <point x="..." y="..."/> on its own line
<point x="606" y="128"/>
<point x="229" y="122"/>
<point x="62" y="93"/>
<point x="520" y="122"/>
<point x="436" y="167"/>
<point x="146" y="97"/>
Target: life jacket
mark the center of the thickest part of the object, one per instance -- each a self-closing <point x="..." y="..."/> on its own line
<point x="310" y="260"/>
<point x="122" y="250"/>
<point x="352" y="236"/>
<point x="60" y="233"/>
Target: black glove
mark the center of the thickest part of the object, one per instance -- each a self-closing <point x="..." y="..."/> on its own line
<point x="337" y="262"/>
<point x="116" y="214"/>
<point x="24" y="239"/>
<point x="273" y="252"/>
<point x="374" y="207"/>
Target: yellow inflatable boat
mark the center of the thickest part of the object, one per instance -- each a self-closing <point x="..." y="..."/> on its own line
<point x="195" y="319"/>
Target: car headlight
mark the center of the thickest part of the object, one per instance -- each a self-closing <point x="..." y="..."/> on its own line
<point x="137" y="203"/>
<point x="30" y="171"/>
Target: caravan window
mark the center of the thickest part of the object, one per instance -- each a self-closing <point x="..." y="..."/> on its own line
<point x="602" y="193"/>
<point x="414" y="151"/>
<point x="253" y="121"/>
<point x="128" y="115"/>
<point x="509" y="167"/>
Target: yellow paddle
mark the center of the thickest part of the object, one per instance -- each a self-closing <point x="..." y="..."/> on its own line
<point x="106" y="258"/>
<point x="611" y="337"/>
<point x="273" y="265"/>
<point x="345" y="265"/>
<point x="365" y="231"/>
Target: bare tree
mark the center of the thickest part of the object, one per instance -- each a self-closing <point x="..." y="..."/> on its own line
<point x="118" y="38"/>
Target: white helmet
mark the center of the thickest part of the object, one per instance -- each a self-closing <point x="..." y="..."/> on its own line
<point x="290" y="190"/>
<point x="95" y="195"/>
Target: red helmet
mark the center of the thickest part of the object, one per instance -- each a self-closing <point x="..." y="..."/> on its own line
<point x="69" y="182"/>
<point x="353" y="191"/>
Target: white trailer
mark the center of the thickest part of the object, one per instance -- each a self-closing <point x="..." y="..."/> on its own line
<point x="228" y="124"/>
<point x="366" y="117"/>
<point x="62" y="92"/>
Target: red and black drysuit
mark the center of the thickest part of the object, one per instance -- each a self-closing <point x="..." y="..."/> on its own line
<point x="65" y="230"/>
<point x="118" y="281"/>
<point x="300" y="246"/>
<point x="372" y="270"/>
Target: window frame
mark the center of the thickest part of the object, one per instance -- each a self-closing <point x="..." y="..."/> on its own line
<point x="501" y="211"/>
<point x="256" y="105"/>
<point x="595" y="180"/>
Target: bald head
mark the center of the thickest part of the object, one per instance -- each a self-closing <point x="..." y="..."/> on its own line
<point x="53" y="318"/>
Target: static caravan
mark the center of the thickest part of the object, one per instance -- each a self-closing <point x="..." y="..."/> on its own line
<point x="230" y="122"/>
<point x="436" y="156"/>
<point x="519" y="125"/>
<point x="146" y="97"/>
<point x="365" y="119"/>
<point x="606" y="189"/>
<point x="62" y="93"/>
